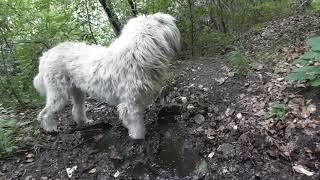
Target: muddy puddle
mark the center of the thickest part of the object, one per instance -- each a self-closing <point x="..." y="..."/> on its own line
<point x="175" y="155"/>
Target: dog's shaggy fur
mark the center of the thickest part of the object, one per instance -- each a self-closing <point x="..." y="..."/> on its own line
<point x="127" y="74"/>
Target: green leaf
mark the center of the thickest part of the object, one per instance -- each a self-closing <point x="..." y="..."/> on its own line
<point x="306" y="69"/>
<point x="316" y="82"/>
<point x="202" y="168"/>
<point x="314" y="41"/>
<point x="316" y="48"/>
<point x="309" y="55"/>
<point x="296" y="76"/>
<point x="301" y="61"/>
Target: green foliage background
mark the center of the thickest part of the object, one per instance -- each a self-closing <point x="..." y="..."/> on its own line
<point x="30" y="27"/>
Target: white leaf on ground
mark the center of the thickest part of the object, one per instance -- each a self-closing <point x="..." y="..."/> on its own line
<point x="190" y="106"/>
<point x="184" y="100"/>
<point x="239" y="116"/>
<point x="302" y="170"/>
<point x="71" y="170"/>
<point x="116" y="174"/>
<point x="211" y="155"/>
<point x="93" y="171"/>
<point x="221" y="80"/>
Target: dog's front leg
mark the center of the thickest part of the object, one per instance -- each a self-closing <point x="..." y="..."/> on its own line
<point x="132" y="118"/>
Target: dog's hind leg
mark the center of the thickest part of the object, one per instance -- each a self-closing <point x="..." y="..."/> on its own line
<point x="54" y="103"/>
<point x="132" y="118"/>
<point x="79" y="109"/>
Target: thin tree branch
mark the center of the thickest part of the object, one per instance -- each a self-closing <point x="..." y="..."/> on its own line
<point x="133" y="7"/>
<point x="113" y="19"/>
<point x="89" y="23"/>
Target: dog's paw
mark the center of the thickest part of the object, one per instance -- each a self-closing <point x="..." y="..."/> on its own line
<point x="50" y="126"/>
<point x="137" y="134"/>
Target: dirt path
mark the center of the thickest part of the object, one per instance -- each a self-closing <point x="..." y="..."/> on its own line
<point x="209" y="125"/>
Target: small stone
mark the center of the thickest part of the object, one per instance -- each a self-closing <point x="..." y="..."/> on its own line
<point x="206" y="89"/>
<point x="239" y="116"/>
<point x="190" y="106"/>
<point x="199" y="119"/>
<point x="227" y="150"/>
<point x="44" y="178"/>
<point x="184" y="100"/>
<point x="200" y="86"/>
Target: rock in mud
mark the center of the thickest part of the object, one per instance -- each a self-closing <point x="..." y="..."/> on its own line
<point x="227" y="150"/>
<point x="199" y="119"/>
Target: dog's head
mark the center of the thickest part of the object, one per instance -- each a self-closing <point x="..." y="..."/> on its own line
<point x="167" y="26"/>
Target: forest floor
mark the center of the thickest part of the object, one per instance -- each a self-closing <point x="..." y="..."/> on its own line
<point x="211" y="123"/>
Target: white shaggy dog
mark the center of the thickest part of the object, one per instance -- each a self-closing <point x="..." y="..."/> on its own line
<point x="127" y="74"/>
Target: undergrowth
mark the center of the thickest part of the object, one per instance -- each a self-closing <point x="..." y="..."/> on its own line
<point x="239" y="62"/>
<point x="308" y="64"/>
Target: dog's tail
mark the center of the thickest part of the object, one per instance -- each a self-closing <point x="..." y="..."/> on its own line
<point x="38" y="83"/>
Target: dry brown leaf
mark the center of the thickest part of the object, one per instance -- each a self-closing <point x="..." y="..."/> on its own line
<point x="288" y="148"/>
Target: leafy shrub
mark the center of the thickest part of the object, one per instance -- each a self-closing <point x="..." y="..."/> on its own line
<point x="276" y="110"/>
<point x="315" y="5"/>
<point x="210" y="39"/>
<point x="8" y="130"/>
<point x="309" y="64"/>
<point x="240" y="62"/>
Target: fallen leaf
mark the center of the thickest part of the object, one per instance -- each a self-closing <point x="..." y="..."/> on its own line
<point x="311" y="108"/>
<point x="29" y="155"/>
<point x="272" y="152"/>
<point x="30" y="160"/>
<point x="221" y="80"/>
<point x="229" y="112"/>
<point x="288" y="149"/>
<point x="211" y="155"/>
<point x="302" y="170"/>
<point x="93" y="171"/>
<point x="71" y="170"/>
<point x="116" y="174"/>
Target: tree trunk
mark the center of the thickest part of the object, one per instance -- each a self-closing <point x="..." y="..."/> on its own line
<point x="133" y="7"/>
<point x="192" y="25"/>
<point x="113" y="19"/>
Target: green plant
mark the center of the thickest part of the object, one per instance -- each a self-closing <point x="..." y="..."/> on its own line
<point x="8" y="131"/>
<point x="240" y="62"/>
<point x="169" y="77"/>
<point x="276" y="110"/>
<point x="309" y="64"/>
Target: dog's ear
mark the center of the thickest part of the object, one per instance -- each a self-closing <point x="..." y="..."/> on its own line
<point x="163" y="18"/>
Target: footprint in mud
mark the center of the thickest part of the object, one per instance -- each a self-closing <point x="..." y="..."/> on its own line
<point x="174" y="156"/>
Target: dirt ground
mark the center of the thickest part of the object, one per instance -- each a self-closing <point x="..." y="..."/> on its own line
<point x="208" y="124"/>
